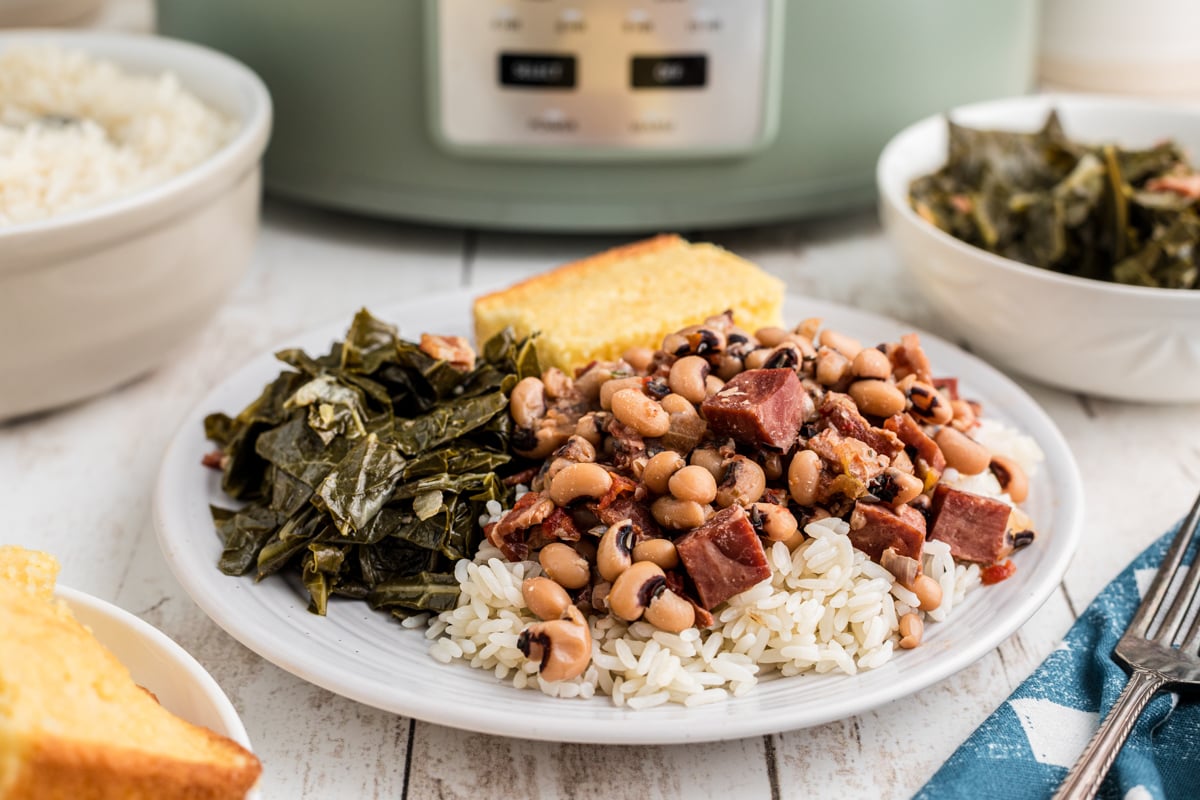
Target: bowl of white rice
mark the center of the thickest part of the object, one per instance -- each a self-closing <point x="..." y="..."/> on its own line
<point x="130" y="186"/>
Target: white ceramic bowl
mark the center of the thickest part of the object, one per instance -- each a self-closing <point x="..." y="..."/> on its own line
<point x="1125" y="342"/>
<point x="157" y="663"/>
<point x="92" y="298"/>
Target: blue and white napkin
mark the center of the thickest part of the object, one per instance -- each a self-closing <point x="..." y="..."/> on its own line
<point x="1025" y="748"/>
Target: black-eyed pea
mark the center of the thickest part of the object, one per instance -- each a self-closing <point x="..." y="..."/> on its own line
<point x="660" y="468"/>
<point x="711" y="460"/>
<point x="1013" y="480"/>
<point x="928" y="592"/>
<point x="911" y="630"/>
<point x="660" y="551"/>
<point x="844" y="344"/>
<point x="678" y="404"/>
<point x="563" y="565"/>
<point x="545" y="598"/>
<point x="676" y="344"/>
<point x="772" y="466"/>
<point x="693" y="483"/>
<point x="579" y="480"/>
<point x="964" y="415"/>
<point x="804" y="477"/>
<point x="588" y="384"/>
<point x="907" y="486"/>
<point x="527" y="402"/>
<point x="632" y="591"/>
<point x="712" y="385"/>
<point x="728" y="366"/>
<point x="599" y="596"/>
<point x="609" y="388"/>
<point x="928" y="404"/>
<point x="743" y="484"/>
<point x="877" y="398"/>
<point x="687" y="378"/>
<point x="640" y="412"/>
<point x="640" y="358"/>
<point x="871" y="363"/>
<point x="832" y="366"/>
<point x="786" y="355"/>
<point x="591" y="427"/>
<point x="756" y="359"/>
<point x="669" y="612"/>
<point x="775" y="522"/>
<point x="962" y="452"/>
<point x="770" y="336"/>
<point x="614" y="554"/>
<point x="562" y="648"/>
<point x="679" y="515"/>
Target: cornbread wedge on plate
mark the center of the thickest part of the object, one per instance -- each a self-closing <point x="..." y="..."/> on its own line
<point x="630" y="296"/>
<point x="73" y="724"/>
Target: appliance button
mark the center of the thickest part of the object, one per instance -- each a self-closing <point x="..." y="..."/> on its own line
<point x="537" y="70"/>
<point x="669" y="72"/>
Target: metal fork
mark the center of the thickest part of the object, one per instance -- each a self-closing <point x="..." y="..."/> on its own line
<point x="1158" y="650"/>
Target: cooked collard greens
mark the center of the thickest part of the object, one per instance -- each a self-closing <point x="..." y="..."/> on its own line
<point x="1095" y="211"/>
<point x="364" y="471"/>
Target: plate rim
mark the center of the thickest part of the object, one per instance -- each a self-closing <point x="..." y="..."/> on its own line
<point x="615" y="729"/>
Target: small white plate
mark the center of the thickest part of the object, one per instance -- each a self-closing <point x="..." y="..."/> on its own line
<point x="367" y="657"/>
<point x="157" y="663"/>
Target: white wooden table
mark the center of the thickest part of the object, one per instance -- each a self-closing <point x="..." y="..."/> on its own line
<point x="78" y="483"/>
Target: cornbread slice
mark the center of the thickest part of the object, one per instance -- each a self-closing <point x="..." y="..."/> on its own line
<point x="74" y="725"/>
<point x="631" y="295"/>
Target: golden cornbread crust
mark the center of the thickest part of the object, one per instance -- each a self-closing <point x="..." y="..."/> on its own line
<point x="74" y="724"/>
<point x="58" y="769"/>
<point x="635" y="294"/>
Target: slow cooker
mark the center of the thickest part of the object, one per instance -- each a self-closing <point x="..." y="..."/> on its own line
<point x="604" y="114"/>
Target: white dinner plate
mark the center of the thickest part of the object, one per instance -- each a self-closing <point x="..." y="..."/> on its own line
<point x="157" y="663"/>
<point x="366" y="656"/>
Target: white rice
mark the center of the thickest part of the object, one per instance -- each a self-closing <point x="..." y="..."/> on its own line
<point x="76" y="131"/>
<point x="826" y="608"/>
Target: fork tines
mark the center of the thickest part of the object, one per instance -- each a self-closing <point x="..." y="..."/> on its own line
<point x="1170" y="631"/>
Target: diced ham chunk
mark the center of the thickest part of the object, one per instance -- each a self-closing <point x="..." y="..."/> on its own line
<point x="975" y="527"/>
<point x="929" y="458"/>
<point x="875" y="527"/>
<point x="759" y="407"/>
<point x="723" y="557"/>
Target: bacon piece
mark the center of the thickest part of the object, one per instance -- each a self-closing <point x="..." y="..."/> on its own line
<point x="910" y="357"/>
<point x="723" y="557"/>
<point x="929" y="459"/>
<point x="560" y="526"/>
<point x="875" y="527"/>
<point x="455" y="350"/>
<point x="511" y="531"/>
<point x="1185" y="185"/>
<point x="842" y="413"/>
<point x="850" y="456"/>
<point x="975" y="527"/>
<point x="759" y="407"/>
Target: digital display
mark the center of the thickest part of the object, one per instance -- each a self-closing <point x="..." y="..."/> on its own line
<point x="537" y="70"/>
<point x="669" y="72"/>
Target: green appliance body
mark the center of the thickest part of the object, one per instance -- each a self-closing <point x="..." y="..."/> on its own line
<point x="604" y="115"/>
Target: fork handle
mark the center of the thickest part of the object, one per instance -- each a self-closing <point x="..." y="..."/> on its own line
<point x="1083" y="781"/>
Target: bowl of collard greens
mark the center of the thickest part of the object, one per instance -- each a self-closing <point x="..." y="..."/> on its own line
<point x="1059" y="236"/>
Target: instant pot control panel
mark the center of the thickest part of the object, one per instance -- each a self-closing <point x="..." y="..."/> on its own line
<point x="587" y="79"/>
